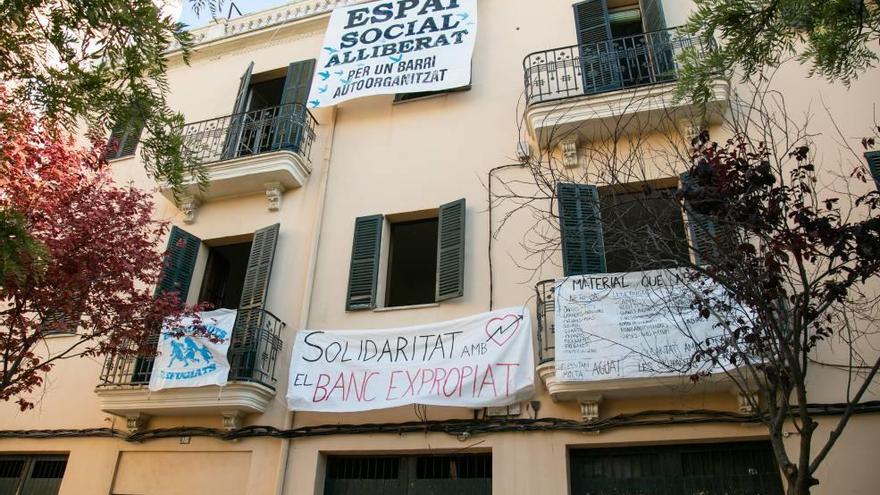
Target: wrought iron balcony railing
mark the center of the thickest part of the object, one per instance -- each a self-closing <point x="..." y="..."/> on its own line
<point x="619" y="63"/>
<point x="286" y="127"/>
<point x="546" y="311"/>
<point x="253" y="353"/>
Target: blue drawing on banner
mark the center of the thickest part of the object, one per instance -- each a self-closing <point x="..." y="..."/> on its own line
<point x="345" y="81"/>
<point x="315" y="103"/>
<point x="324" y="75"/>
<point x="397" y="58"/>
<point x="331" y="49"/>
<point x="189" y="359"/>
<point x="339" y="73"/>
<point x="323" y="90"/>
<point x="463" y="16"/>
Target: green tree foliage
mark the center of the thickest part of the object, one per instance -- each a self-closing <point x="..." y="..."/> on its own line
<point x="838" y="39"/>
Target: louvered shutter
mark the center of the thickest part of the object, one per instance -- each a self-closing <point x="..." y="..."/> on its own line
<point x="180" y="260"/>
<point x="237" y="119"/>
<point x="124" y="139"/>
<point x="291" y="116"/>
<point x="703" y="231"/>
<point x="652" y="16"/>
<point x="450" y="250"/>
<point x="364" y="270"/>
<point x="599" y="65"/>
<point x="873" y="158"/>
<point x="256" y="285"/>
<point x="580" y="225"/>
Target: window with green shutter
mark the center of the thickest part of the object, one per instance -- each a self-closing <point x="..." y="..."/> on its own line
<point x="124" y="139"/>
<point x="580" y="225"/>
<point x="705" y="233"/>
<point x="873" y="158"/>
<point x="425" y="258"/>
<point x="180" y="261"/>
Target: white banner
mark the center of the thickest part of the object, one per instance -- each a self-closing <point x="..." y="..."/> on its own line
<point x="189" y="358"/>
<point x="389" y="47"/>
<point x="479" y="361"/>
<point x="626" y="325"/>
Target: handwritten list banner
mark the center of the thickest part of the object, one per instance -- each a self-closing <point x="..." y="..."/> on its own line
<point x="626" y="325"/>
<point x="479" y="361"/>
<point x="402" y="46"/>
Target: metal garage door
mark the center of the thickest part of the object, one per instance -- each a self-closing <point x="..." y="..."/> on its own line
<point x="409" y="475"/>
<point x="31" y="475"/>
<point x="705" y="469"/>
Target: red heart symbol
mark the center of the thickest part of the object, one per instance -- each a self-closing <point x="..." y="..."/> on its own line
<point x="502" y="329"/>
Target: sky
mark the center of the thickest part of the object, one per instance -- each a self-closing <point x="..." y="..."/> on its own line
<point x="245" y="6"/>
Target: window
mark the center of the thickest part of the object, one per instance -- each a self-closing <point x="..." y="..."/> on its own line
<point x="401" y="97"/>
<point x="124" y="139"/>
<point x="873" y="158"/>
<point x="223" y="281"/>
<point x="56" y="322"/>
<point x="32" y="474"/>
<point x="412" y="263"/>
<point x="269" y="110"/>
<point x="629" y="227"/>
<point x="425" y="258"/>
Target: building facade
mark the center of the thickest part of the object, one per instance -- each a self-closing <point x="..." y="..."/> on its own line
<point x="330" y="218"/>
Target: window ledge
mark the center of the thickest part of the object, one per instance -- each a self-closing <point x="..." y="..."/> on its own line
<point x="406" y="308"/>
<point x="57" y="335"/>
<point x="120" y="158"/>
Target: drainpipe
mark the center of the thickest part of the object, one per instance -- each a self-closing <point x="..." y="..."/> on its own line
<point x="309" y="287"/>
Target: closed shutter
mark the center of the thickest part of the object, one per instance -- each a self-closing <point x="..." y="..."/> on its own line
<point x="450" y="250"/>
<point x="180" y="260"/>
<point x="237" y="119"/>
<point x="599" y="65"/>
<point x="580" y="225"/>
<point x="652" y="16"/>
<point x="124" y="138"/>
<point x="703" y="230"/>
<point x="291" y="116"/>
<point x="32" y="475"/>
<point x="364" y="270"/>
<point x="873" y="158"/>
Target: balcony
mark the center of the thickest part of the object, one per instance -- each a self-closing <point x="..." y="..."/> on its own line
<point x="590" y="394"/>
<point x="261" y="150"/>
<point x="584" y="89"/>
<point x="253" y="355"/>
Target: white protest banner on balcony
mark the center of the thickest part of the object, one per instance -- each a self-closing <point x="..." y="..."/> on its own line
<point x="626" y="325"/>
<point x="194" y="356"/>
<point x="478" y="361"/>
<point x="388" y="47"/>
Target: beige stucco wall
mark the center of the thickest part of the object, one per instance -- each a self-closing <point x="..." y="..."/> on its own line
<point x="392" y="158"/>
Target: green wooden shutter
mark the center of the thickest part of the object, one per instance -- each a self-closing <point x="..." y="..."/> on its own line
<point x="124" y="138"/>
<point x="450" y="250"/>
<point x="580" y="225"/>
<point x="180" y="260"/>
<point x="652" y="16"/>
<point x="237" y="119"/>
<point x="288" y="128"/>
<point x="599" y="69"/>
<point x="873" y="158"/>
<point x="253" y="293"/>
<point x="364" y="270"/>
<point x="703" y="230"/>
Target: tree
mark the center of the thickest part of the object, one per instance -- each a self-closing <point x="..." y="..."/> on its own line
<point x="83" y="254"/>
<point x="837" y="38"/>
<point x="783" y="255"/>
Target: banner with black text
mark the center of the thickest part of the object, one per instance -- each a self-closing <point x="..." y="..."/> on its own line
<point x="389" y="47"/>
<point x="478" y="361"/>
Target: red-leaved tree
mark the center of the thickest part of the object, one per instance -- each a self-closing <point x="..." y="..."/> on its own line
<point x="80" y="254"/>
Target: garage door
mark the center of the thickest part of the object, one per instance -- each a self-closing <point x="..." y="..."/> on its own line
<point x="409" y="475"/>
<point x="705" y="469"/>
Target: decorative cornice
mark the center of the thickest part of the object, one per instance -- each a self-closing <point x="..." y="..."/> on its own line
<point x="221" y="29"/>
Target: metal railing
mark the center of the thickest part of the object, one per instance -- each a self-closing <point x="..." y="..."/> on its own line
<point x="546" y="311"/>
<point x="253" y="353"/>
<point x="619" y="63"/>
<point x="286" y="127"/>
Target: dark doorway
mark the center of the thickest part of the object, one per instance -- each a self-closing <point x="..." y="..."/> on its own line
<point x="224" y="275"/>
<point x="412" y="263"/>
<point x="409" y="475"/>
